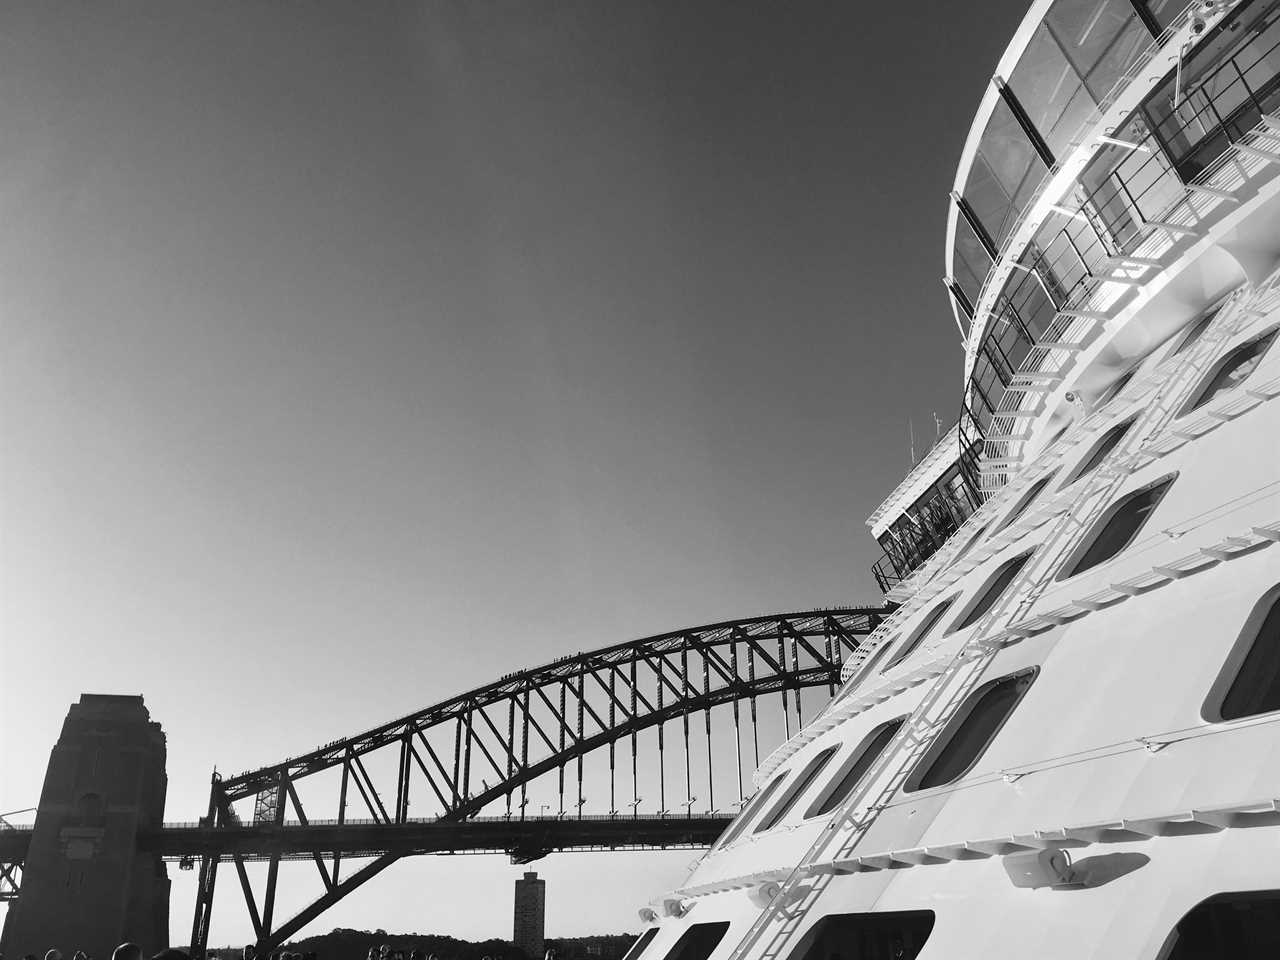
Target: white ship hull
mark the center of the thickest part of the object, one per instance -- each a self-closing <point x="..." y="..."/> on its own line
<point x="1129" y="776"/>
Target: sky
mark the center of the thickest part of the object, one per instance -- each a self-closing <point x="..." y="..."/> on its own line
<point x="355" y="354"/>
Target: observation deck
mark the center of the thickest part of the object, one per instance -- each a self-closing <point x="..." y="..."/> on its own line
<point x="1113" y="137"/>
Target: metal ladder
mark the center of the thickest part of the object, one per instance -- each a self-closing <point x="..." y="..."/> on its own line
<point x="774" y="928"/>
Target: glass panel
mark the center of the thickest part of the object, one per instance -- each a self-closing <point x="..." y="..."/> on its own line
<point x="739" y="824"/>
<point x="699" y="941"/>
<point x="1193" y="334"/>
<point x="1125" y="522"/>
<point x="798" y="787"/>
<point x="961" y="750"/>
<point x="1242" y="926"/>
<point x="1166" y="11"/>
<point x="1005" y="172"/>
<point x="642" y="941"/>
<point x="970" y="263"/>
<point x="922" y="631"/>
<point x="1100" y="38"/>
<point x="857" y="767"/>
<point x="1256" y="688"/>
<point x="1051" y="91"/>
<point x="1232" y="370"/>
<point x="1103" y="447"/>
<point x="1027" y="499"/>
<point x="995" y="587"/>
<point x="866" y="936"/>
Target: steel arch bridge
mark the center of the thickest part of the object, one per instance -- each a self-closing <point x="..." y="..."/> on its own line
<point x="591" y="724"/>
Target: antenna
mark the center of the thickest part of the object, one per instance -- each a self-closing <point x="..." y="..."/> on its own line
<point x="937" y="425"/>
<point x="911" y="433"/>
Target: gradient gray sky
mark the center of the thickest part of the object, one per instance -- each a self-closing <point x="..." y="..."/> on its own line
<point x="354" y="354"/>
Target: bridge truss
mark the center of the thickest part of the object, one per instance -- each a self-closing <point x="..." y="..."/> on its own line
<point x="613" y="722"/>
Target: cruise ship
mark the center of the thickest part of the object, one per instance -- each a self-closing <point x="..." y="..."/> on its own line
<point x="1065" y="740"/>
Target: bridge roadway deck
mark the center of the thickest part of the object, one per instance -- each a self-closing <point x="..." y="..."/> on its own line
<point x="527" y="838"/>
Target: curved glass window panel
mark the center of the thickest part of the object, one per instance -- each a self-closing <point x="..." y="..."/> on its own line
<point x="970" y="736"/>
<point x="793" y="792"/>
<point x="1005" y="172"/>
<point x="884" y="935"/>
<point x="641" y="943"/>
<point x="1256" y="688"/>
<point x="917" y="636"/>
<point x="1050" y="91"/>
<point x="1232" y="370"/>
<point x="1192" y="335"/>
<point x="856" y="768"/>
<point x="1242" y="926"/>
<point x="970" y="263"/>
<point x="1025" y="501"/>
<point x="1101" y="38"/>
<point x="740" y="823"/>
<point x="996" y="586"/>
<point x="699" y="941"/>
<point x="1120" y="527"/>
<point x="1165" y="11"/>
<point x="1106" y="443"/>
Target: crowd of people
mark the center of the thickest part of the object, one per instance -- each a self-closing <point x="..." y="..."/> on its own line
<point x="131" y="951"/>
<point x="126" y="951"/>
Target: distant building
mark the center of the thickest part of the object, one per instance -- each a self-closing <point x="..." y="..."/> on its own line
<point x="530" y="915"/>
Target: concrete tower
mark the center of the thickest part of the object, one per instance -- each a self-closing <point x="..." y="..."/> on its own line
<point x="531" y="912"/>
<point x="85" y="885"/>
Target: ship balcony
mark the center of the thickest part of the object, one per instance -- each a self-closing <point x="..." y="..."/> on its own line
<point x="1123" y="130"/>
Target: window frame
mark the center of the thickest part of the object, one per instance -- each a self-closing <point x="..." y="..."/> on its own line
<point x="1241" y="647"/>
<point x="1230" y="896"/>
<point x="749" y="813"/>
<point x="1199" y="398"/>
<point x="681" y="944"/>
<point x="805" y="945"/>
<point x="855" y="757"/>
<point x="1029" y="496"/>
<point x="939" y="746"/>
<point x="1196" y="329"/>
<point x="926" y="626"/>
<point x="800" y="783"/>
<point x="1087" y="464"/>
<point x="641" y="944"/>
<point x="1068" y="569"/>
<point x="965" y="619"/>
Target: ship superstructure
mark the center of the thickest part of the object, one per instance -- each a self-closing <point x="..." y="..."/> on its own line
<point x="1063" y="741"/>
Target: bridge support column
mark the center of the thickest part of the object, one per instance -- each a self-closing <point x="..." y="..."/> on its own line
<point x="85" y="884"/>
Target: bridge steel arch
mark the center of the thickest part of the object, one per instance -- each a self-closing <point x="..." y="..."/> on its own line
<point x="483" y="751"/>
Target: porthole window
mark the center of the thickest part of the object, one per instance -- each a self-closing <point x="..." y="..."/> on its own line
<point x="969" y="735"/>
<point x="919" y="633"/>
<point x="1242" y="926"/>
<point x="798" y="786"/>
<point x="1106" y="443"/>
<point x="1232" y="370"/>
<point x="699" y="941"/>
<point x="1250" y="680"/>
<point x="995" y="587"/>
<point x="855" y="768"/>
<point x="734" y="830"/>
<point x="1192" y="335"/>
<point x="641" y="943"/>
<point x="1118" y="528"/>
<point x="899" y="935"/>
<point x="1024" y="501"/>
